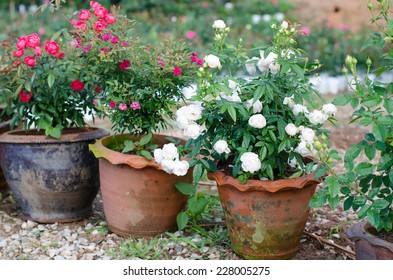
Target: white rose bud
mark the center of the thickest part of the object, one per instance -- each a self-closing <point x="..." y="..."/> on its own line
<point x="256" y="107"/>
<point x="221" y="146"/>
<point x="291" y="129"/>
<point x="193" y="131"/>
<point x="317" y="117"/>
<point x="257" y="121"/>
<point x="169" y="152"/>
<point x="212" y="61"/>
<point x="284" y="25"/>
<point x="250" y="162"/>
<point x="180" y="168"/>
<point x="219" y="24"/>
<point x="289" y="101"/>
<point x="158" y="155"/>
<point x="329" y="109"/>
<point x="250" y="66"/>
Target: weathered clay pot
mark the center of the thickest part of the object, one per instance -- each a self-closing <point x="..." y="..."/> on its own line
<point x="265" y="219"/>
<point x="139" y="198"/>
<point x="53" y="180"/>
<point x="367" y="244"/>
<point x="4" y="126"/>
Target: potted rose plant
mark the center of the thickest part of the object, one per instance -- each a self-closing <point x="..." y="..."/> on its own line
<point x="47" y="165"/>
<point x="366" y="184"/>
<point x="137" y="88"/>
<point x="255" y="134"/>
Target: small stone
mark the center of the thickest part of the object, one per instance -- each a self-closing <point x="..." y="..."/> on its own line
<point x="185" y="250"/>
<point x="178" y="249"/>
<point x="196" y="239"/>
<point x="177" y="233"/>
<point x="24" y="225"/>
<point x="89" y="226"/>
<point x="336" y="235"/>
<point x="7" y="228"/>
<point x="3" y="243"/>
<point x="53" y="252"/>
<point x="170" y="245"/>
<point x="82" y="241"/>
<point x="205" y="249"/>
<point x="41" y="228"/>
<point x="14" y="236"/>
<point x="103" y="223"/>
<point x="184" y="244"/>
<point x="59" y="258"/>
<point x="31" y="224"/>
<point x="212" y="256"/>
<point x="195" y="256"/>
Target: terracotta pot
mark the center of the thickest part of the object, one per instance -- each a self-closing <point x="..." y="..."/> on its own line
<point x="367" y="244"/>
<point x="53" y="180"/>
<point x="265" y="219"/>
<point x="139" y="198"/>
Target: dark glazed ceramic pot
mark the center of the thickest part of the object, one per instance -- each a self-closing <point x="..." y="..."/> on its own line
<point x="368" y="246"/>
<point x="139" y="198"/>
<point x="265" y="219"/>
<point x="53" y="180"/>
<point x="4" y="126"/>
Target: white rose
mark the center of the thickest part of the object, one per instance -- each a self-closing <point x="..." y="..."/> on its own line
<point x="317" y="117"/>
<point x="274" y="68"/>
<point x="221" y="146"/>
<point x="250" y="66"/>
<point x="284" y="25"/>
<point x="264" y="63"/>
<point x="289" y="101"/>
<point x="193" y="112"/>
<point x="256" y="106"/>
<point x="234" y="86"/>
<point x="257" y="121"/>
<point x="300" y="128"/>
<point x="303" y="150"/>
<point x="193" y="131"/>
<point x="180" y="168"/>
<point x="169" y="152"/>
<point x="189" y="91"/>
<point x="219" y="24"/>
<point x="291" y="129"/>
<point x="168" y="165"/>
<point x="329" y="109"/>
<point x="233" y="98"/>
<point x="212" y="61"/>
<point x="182" y="122"/>
<point x="307" y="135"/>
<point x="158" y="155"/>
<point x="250" y="162"/>
<point x="298" y="108"/>
<point x="293" y="163"/>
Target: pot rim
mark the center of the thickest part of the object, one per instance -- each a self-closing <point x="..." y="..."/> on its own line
<point x="360" y="230"/>
<point x="100" y="151"/>
<point x="224" y="180"/>
<point x="69" y="135"/>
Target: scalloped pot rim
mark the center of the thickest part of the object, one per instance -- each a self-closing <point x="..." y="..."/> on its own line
<point x="100" y="150"/>
<point x="264" y="185"/>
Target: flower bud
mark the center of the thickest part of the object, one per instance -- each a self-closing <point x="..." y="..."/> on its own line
<point x="323" y="137"/>
<point x="345" y="70"/>
<point x="369" y="61"/>
<point x="317" y="145"/>
<point x="370" y="6"/>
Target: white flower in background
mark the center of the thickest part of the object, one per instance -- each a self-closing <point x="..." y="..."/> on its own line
<point x="293" y="163"/>
<point x="298" y="108"/>
<point x="289" y="101"/>
<point x="250" y="162"/>
<point x="291" y="129"/>
<point x="256" y="106"/>
<point x="158" y="155"/>
<point x="274" y="68"/>
<point x="256" y="18"/>
<point x="284" y="25"/>
<point x="257" y="121"/>
<point x="180" y="167"/>
<point x="264" y="63"/>
<point x="193" y="131"/>
<point x="250" y="65"/>
<point x="279" y="16"/>
<point x="317" y="117"/>
<point x="266" y="17"/>
<point x="221" y="146"/>
<point x="212" y="61"/>
<point x="307" y="135"/>
<point x="219" y="24"/>
<point x="301" y="128"/>
<point x="329" y="109"/>
<point x="168" y="165"/>
<point x="169" y="152"/>
<point x="189" y="91"/>
<point x="235" y="87"/>
<point x="302" y="149"/>
<point x="233" y="98"/>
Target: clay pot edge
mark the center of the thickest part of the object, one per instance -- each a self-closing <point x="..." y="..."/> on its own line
<point x="268" y="185"/>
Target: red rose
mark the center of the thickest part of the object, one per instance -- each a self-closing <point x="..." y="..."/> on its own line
<point x="52" y="47"/>
<point x="19" y="53"/>
<point x="30" y="61"/>
<point x="110" y="19"/>
<point x="99" y="26"/>
<point x="25" y="97"/>
<point x="112" y="104"/>
<point x="94" y="4"/>
<point x="84" y="15"/>
<point x="177" y="71"/>
<point x="125" y="64"/>
<point x="77" y="85"/>
<point x="33" y="40"/>
<point x="37" y="51"/>
<point x="100" y="12"/>
<point x="21" y="43"/>
<point x="80" y="26"/>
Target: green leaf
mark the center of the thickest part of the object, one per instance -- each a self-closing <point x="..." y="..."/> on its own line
<point x="182" y="220"/>
<point x="370" y="152"/>
<point x="128" y="146"/>
<point x="385" y="162"/>
<point x="388" y="105"/>
<point x="342" y="99"/>
<point x="232" y="113"/>
<point x="373" y="217"/>
<point x="380" y="204"/>
<point x="197" y="205"/>
<point x="318" y="199"/>
<point x="334" y="188"/>
<point x="146" y="139"/>
<point x="320" y="172"/>
<point x="379" y="132"/>
<point x="350" y="155"/>
<point x="54" y="132"/>
<point x="364" y="168"/>
<point x="197" y="173"/>
<point x="333" y="201"/>
<point x="363" y="211"/>
<point x="146" y="154"/>
<point x="348" y="203"/>
<point x="269" y="171"/>
<point x="51" y="79"/>
<point x="391" y="176"/>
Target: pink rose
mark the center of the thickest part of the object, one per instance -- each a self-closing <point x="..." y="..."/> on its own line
<point x="191" y="35"/>
<point x="110" y="18"/>
<point x="21" y="44"/>
<point x="200" y="61"/>
<point x="94" y="5"/>
<point x="84" y="15"/>
<point x="343" y="27"/>
<point x="135" y="105"/>
<point x="33" y="40"/>
<point x="125" y="64"/>
<point x="99" y="26"/>
<point x="30" y="61"/>
<point x="80" y="26"/>
<point x="19" y="53"/>
<point x="112" y="104"/>
<point x="106" y="36"/>
<point x="114" y="40"/>
<point x="60" y="55"/>
<point x="52" y="47"/>
<point x="100" y="12"/>
<point x="37" y="51"/>
<point x="125" y="44"/>
<point x="123" y="106"/>
<point x="177" y="71"/>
